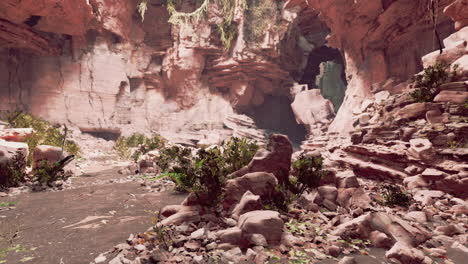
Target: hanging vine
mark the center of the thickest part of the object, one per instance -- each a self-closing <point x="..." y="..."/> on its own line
<point x="227" y="28"/>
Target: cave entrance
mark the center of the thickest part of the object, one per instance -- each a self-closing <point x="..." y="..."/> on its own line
<point x="275" y="115"/>
<point x="325" y="71"/>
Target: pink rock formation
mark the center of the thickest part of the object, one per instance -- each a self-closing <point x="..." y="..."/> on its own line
<point x="380" y="39"/>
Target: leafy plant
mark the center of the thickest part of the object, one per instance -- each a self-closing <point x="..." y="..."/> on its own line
<point x="14" y="171"/>
<point x="163" y="234"/>
<point x="393" y="195"/>
<point x="308" y="172"/>
<point x="137" y="145"/>
<point x="47" y="172"/>
<point x="205" y="172"/>
<point x="427" y="83"/>
<point x="44" y="133"/>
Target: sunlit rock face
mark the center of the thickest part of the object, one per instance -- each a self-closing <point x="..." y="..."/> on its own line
<point x="97" y="66"/>
<point x="380" y="39"/>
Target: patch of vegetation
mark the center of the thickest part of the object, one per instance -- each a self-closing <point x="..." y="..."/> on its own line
<point x="427" y="83"/>
<point x="137" y="145"/>
<point x="14" y="171"/>
<point x="7" y="204"/>
<point x="393" y="195"/>
<point x="17" y="249"/>
<point x="44" y="133"/>
<point x="205" y="172"/>
<point x="162" y="234"/>
<point x="308" y="172"/>
<point x="46" y="172"/>
<point x="355" y="243"/>
<point x="259" y="15"/>
<point x="297" y="228"/>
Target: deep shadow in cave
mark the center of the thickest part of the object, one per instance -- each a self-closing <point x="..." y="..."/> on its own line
<point x="325" y="71"/>
<point x="317" y="56"/>
<point x="276" y="116"/>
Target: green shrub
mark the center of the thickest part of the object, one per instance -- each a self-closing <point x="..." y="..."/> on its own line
<point x="125" y="146"/>
<point x="393" y="195"/>
<point x="308" y="172"/>
<point x="46" y="172"/>
<point x="44" y="133"/>
<point x="427" y="83"/>
<point x="237" y="153"/>
<point x="14" y="171"/>
<point x="205" y="172"/>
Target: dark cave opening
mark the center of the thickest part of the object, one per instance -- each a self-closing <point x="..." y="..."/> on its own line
<point x="325" y="71"/>
<point x="276" y="116"/>
<point x="32" y="20"/>
<point x="106" y="134"/>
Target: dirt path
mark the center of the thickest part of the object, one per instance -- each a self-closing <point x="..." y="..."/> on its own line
<point x="75" y="226"/>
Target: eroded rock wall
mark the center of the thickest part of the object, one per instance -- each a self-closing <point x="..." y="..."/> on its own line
<point x="379" y="39"/>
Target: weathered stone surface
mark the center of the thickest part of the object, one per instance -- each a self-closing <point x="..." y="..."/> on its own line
<point x="9" y="149"/>
<point x="380" y="240"/>
<point x="258" y="183"/>
<point x="15" y="134"/>
<point x="405" y="253"/>
<point x="346" y="179"/>
<point x="456" y="97"/>
<point x="412" y="111"/>
<point x="266" y="223"/>
<point x="310" y="108"/>
<point x="231" y="235"/>
<point x="422" y="149"/>
<point x="249" y="202"/>
<point x="47" y="153"/>
<point x="457" y="11"/>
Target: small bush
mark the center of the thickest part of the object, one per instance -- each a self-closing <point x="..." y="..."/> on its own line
<point x="394" y="195"/>
<point x="308" y="172"/>
<point x="44" y="133"/>
<point x="205" y="172"/>
<point x="137" y="145"/>
<point x="47" y="172"/>
<point x="14" y="171"/>
<point x="427" y="83"/>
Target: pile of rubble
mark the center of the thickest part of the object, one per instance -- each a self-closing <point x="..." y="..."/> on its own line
<point x="344" y="216"/>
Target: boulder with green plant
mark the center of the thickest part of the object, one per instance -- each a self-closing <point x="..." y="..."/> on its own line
<point x="44" y="133"/>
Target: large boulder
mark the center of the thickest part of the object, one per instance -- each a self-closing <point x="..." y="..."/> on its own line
<point x="47" y="153"/>
<point x="310" y="108"/>
<point x="258" y="183"/>
<point x="265" y="223"/>
<point x="276" y="160"/>
<point x="249" y="202"/>
<point x="9" y="149"/>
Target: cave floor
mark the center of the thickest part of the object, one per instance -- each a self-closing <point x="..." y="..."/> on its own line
<point x="74" y="226"/>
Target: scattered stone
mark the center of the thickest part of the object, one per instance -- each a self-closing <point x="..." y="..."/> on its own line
<point x="380" y="240"/>
<point x="258" y="183"/>
<point x="449" y="230"/>
<point x="417" y="216"/>
<point x="347" y="260"/>
<point x="405" y="253"/>
<point x="421" y="149"/>
<point x="266" y="223"/>
<point x="249" y="202"/>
